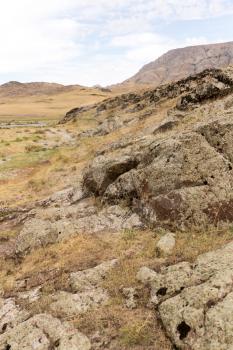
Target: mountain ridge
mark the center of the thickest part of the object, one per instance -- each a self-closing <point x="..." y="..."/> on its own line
<point x="180" y="63"/>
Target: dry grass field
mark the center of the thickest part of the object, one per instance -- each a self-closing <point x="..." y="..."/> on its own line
<point x="50" y="107"/>
<point x="34" y="161"/>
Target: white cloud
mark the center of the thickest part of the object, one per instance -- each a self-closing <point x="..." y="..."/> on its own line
<point x="92" y="41"/>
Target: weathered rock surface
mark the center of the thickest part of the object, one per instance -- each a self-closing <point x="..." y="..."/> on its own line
<point x="36" y="233"/>
<point x="195" y="300"/>
<point x="43" y="332"/>
<point x="181" y="174"/>
<point x="166" y="244"/>
<point x="131" y="297"/>
<point x="68" y="304"/>
<point x="179" y="180"/>
<point x="88" y="279"/>
<point x="10" y="314"/>
<point x="64" y="197"/>
<point x="87" y="289"/>
<point x="61" y="224"/>
<point x="190" y="93"/>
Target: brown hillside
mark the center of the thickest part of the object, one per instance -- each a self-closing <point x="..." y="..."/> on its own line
<point x="180" y="63"/>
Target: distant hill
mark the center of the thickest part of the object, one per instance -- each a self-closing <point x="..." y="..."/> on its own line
<point x="181" y="63"/>
<point x="45" y="101"/>
<point x="15" y="88"/>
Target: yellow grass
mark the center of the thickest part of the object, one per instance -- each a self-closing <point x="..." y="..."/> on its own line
<point x="48" y="107"/>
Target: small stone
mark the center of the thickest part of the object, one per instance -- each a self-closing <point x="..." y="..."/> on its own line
<point x="131" y="295"/>
<point x="166" y="244"/>
<point x="146" y="275"/>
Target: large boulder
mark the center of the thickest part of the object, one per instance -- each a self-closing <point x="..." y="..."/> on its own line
<point x="176" y="181"/>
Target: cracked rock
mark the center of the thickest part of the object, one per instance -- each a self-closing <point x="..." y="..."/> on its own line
<point x="88" y="291"/>
<point x="10" y="314"/>
<point x="43" y="332"/>
<point x="68" y="304"/>
<point x="195" y="300"/>
<point x="90" y="278"/>
<point x="39" y="232"/>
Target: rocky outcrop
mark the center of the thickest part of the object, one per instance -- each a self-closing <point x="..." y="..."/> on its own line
<point x="69" y="304"/>
<point x="180" y="180"/>
<point x="19" y="329"/>
<point x="87" y="292"/>
<point x="195" y="300"/>
<point x="176" y="175"/>
<point x="75" y="112"/>
<point x="89" y="279"/>
<point x="75" y="220"/>
<point x="11" y="315"/>
<point x="115" y="113"/>
<point x="43" y="332"/>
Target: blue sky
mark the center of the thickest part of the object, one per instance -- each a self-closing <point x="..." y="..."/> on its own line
<point x="102" y="41"/>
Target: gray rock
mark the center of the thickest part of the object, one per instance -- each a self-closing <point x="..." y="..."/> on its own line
<point x="60" y="197"/>
<point x="10" y="314"/>
<point x="176" y="182"/>
<point x="88" y="279"/>
<point x="168" y="124"/>
<point x="113" y="218"/>
<point x="35" y="233"/>
<point x="146" y="275"/>
<point x="131" y="297"/>
<point x="195" y="300"/>
<point x="31" y="295"/>
<point x="166" y="244"/>
<point x="68" y="304"/>
<point x="104" y="170"/>
<point x="63" y="224"/>
<point x="43" y="332"/>
<point x="88" y="291"/>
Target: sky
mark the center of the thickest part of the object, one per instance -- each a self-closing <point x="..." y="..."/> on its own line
<point x="102" y="42"/>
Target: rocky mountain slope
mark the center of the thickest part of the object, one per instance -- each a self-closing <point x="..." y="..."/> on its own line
<point x="180" y="63"/>
<point x="136" y="251"/>
<point x="181" y="172"/>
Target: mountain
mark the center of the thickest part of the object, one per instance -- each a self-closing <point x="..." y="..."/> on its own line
<point x="180" y="63"/>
